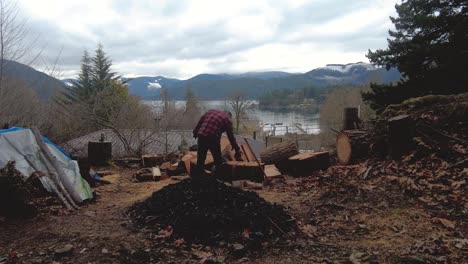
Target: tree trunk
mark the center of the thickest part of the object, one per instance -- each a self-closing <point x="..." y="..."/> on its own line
<point x="352" y="145"/>
<point x="305" y="163"/>
<point x="279" y="154"/>
<point x="400" y="135"/>
<point x="351" y="118"/>
<point x="99" y="153"/>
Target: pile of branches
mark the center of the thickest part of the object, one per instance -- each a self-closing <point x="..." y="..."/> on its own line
<point x="17" y="195"/>
<point x="206" y="211"/>
<point x="440" y="124"/>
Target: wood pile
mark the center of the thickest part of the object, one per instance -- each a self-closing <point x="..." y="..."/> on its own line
<point x="433" y="124"/>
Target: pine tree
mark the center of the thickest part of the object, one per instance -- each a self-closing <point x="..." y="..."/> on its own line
<point x="82" y="87"/>
<point x="101" y="75"/>
<point x="429" y="46"/>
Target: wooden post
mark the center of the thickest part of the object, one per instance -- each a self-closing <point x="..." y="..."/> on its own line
<point x="54" y="166"/>
<point x="255" y="135"/>
<point x="99" y="153"/>
<point x="351" y="118"/>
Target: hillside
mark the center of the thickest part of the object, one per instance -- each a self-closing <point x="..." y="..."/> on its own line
<point x="44" y="85"/>
<point x="254" y="84"/>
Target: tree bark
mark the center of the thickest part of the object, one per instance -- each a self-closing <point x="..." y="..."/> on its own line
<point x="279" y="152"/>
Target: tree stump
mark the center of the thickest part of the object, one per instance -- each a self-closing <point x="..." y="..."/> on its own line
<point x="99" y="153"/>
<point x="400" y="135"/>
<point x="305" y="163"/>
<point x="278" y="154"/>
<point x="351" y="118"/>
<point x="352" y="145"/>
<point x="151" y="160"/>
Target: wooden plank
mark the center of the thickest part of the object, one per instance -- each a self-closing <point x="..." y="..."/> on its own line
<point x="272" y="172"/>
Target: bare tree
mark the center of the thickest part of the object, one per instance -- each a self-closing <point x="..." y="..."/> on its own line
<point x="13" y="38"/>
<point x="238" y="104"/>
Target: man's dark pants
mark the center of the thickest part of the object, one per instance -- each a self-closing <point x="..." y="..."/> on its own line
<point x="205" y="143"/>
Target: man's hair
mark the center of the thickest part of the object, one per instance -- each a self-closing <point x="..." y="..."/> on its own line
<point x="229" y="112"/>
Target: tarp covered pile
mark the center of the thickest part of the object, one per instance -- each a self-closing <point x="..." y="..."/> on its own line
<point x="33" y="153"/>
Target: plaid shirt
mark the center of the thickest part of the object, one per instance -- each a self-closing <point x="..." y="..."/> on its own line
<point x="214" y="123"/>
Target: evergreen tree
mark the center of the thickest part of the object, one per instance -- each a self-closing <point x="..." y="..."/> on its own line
<point x="101" y="74"/>
<point x="429" y="46"/>
<point x="191" y="101"/>
<point x="83" y="88"/>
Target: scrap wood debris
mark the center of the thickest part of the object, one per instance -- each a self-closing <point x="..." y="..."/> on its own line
<point x="19" y="197"/>
<point x="208" y="211"/>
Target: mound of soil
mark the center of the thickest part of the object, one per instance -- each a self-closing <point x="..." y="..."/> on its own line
<point x="207" y="211"/>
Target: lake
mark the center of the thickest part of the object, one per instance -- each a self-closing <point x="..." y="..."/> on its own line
<point x="276" y="122"/>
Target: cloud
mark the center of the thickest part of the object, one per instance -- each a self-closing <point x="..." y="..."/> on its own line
<point x="184" y="38"/>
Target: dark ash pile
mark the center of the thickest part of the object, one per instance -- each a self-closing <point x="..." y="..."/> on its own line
<point x="208" y="211"/>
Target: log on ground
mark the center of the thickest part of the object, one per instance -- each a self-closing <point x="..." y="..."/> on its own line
<point x="241" y="170"/>
<point x="279" y="154"/>
<point x="151" y="160"/>
<point x="305" y="163"/>
<point x="352" y="145"/>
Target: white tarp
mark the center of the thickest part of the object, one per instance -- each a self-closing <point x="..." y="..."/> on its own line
<point x="20" y="145"/>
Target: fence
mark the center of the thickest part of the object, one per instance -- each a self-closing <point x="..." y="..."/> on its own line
<point x="321" y="135"/>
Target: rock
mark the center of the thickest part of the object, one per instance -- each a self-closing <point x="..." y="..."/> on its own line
<point x="65" y="250"/>
<point x="238" y="249"/>
<point x="90" y="213"/>
<point x="358" y="257"/>
<point x="105" y="251"/>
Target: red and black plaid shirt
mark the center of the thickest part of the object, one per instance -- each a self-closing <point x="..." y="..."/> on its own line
<point x="214" y="123"/>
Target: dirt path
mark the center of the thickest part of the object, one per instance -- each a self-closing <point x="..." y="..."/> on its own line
<point x="348" y="224"/>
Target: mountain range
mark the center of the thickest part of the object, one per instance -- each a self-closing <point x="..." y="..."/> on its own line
<point x="254" y="84"/>
<point x="219" y="86"/>
<point x="44" y="85"/>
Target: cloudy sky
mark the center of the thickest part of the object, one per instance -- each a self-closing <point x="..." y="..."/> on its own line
<point x="182" y="38"/>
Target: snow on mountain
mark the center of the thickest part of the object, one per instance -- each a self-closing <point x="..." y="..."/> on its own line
<point x="154" y="85"/>
<point x="346" y="68"/>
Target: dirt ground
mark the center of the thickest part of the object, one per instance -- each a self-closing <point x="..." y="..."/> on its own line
<point x="336" y="224"/>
